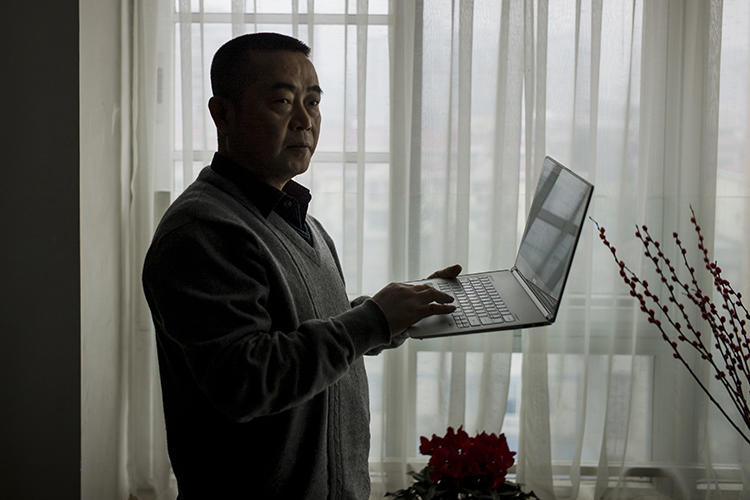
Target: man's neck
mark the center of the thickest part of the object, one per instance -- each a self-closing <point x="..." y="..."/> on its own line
<point x="260" y="175"/>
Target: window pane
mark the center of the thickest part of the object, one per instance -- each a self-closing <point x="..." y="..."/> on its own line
<point x="217" y="6"/>
<point x="177" y="90"/>
<point x="331" y="6"/>
<point x="179" y="175"/>
<point x="272" y="6"/>
<point x="374" y="368"/>
<point x="198" y="89"/>
<point x="628" y="415"/>
<point x="328" y="57"/>
<point x="326" y="182"/>
<point x="433" y="393"/>
<point x="377" y="6"/>
<point x="375" y="255"/>
<point x="733" y="175"/>
<point x="378" y="94"/>
<point x="284" y="29"/>
<point x="214" y="36"/>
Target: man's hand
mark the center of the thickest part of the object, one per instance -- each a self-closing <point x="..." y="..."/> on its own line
<point x="404" y="304"/>
<point x="449" y="272"/>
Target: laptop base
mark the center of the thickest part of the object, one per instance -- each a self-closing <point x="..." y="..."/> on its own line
<point x="524" y="311"/>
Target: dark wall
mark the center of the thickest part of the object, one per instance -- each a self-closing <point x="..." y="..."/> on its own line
<point x="40" y="400"/>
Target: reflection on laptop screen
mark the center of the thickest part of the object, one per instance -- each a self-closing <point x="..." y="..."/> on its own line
<point x="552" y="230"/>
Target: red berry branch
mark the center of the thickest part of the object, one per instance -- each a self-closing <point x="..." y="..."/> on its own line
<point x="725" y="316"/>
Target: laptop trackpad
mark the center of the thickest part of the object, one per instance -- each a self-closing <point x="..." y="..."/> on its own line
<point x="431" y="325"/>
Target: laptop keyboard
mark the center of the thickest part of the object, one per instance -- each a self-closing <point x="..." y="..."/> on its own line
<point x="477" y="303"/>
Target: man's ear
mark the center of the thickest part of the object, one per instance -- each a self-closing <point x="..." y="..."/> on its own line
<point x="222" y="113"/>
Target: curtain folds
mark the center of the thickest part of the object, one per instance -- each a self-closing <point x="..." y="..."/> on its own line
<point x="436" y="118"/>
<point x="626" y="93"/>
<point x="144" y="464"/>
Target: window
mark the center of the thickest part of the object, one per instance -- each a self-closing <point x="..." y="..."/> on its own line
<point x="608" y="374"/>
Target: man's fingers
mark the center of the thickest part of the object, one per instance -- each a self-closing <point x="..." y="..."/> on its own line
<point x="435" y="308"/>
<point x="404" y="304"/>
<point x="448" y="272"/>
<point x="434" y="295"/>
<point x="430" y="293"/>
<point x="422" y="287"/>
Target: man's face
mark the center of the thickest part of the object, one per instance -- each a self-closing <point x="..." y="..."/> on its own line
<point x="273" y="130"/>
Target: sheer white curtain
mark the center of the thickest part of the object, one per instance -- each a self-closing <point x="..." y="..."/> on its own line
<point x="627" y="94"/>
<point x="436" y="117"/>
<point x="144" y="469"/>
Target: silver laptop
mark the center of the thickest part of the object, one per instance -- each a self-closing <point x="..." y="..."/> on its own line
<point x="529" y="293"/>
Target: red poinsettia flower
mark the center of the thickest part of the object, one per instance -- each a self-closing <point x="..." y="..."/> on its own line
<point x="463" y="465"/>
<point x="482" y="460"/>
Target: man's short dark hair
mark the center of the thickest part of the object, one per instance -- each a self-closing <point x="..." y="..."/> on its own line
<point x="229" y="71"/>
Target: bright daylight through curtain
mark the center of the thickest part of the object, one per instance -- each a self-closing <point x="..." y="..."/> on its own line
<point x="437" y="115"/>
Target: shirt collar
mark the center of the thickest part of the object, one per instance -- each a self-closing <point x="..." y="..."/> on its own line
<point x="266" y="198"/>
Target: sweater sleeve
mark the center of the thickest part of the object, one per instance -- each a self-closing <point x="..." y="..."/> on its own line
<point x="393" y="343"/>
<point x="210" y="301"/>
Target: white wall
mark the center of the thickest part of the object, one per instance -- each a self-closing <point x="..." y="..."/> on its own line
<point x="60" y="289"/>
<point x="100" y="256"/>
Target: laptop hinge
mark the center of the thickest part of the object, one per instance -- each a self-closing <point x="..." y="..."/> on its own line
<point x="529" y="292"/>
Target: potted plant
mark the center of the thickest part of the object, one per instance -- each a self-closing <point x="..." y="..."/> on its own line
<point x="463" y="467"/>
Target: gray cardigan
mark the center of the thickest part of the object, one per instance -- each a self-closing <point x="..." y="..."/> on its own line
<point x="260" y="352"/>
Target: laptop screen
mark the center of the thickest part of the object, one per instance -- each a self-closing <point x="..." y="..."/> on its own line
<point x="552" y="231"/>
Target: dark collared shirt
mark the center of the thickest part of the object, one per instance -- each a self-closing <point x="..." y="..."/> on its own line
<point x="290" y="203"/>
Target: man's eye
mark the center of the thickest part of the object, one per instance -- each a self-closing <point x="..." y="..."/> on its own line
<point x="284" y="100"/>
<point x="314" y="103"/>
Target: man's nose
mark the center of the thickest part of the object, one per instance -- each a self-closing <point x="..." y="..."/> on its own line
<point x="301" y="119"/>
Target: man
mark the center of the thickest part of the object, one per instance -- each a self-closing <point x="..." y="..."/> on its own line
<point x="260" y="351"/>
